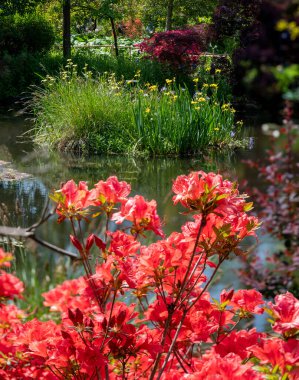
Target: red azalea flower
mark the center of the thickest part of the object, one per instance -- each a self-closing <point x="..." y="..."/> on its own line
<point x="248" y="301"/>
<point x="123" y="244"/>
<point x="215" y="367"/>
<point x="198" y="189"/>
<point x="111" y="191"/>
<point x="141" y="213"/>
<point x="276" y="352"/>
<point x="285" y="312"/>
<point x="72" y="201"/>
<point x="10" y="285"/>
<point x="70" y="294"/>
<point x="237" y="342"/>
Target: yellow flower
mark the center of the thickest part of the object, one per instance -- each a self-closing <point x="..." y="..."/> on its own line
<point x="147" y="110"/>
<point x="208" y="69"/>
<point x="201" y="100"/>
<point x="216" y="129"/>
<point x="294" y="30"/>
<point x="197" y="108"/>
<point x="282" y="25"/>
<point x="225" y="107"/>
<point x="153" y="87"/>
<point x="174" y="97"/>
<point x="292" y="27"/>
<point x="196" y="80"/>
<point x="205" y="85"/>
<point x="168" y="81"/>
<point x="193" y="102"/>
<point x="217" y="71"/>
<point x="214" y="86"/>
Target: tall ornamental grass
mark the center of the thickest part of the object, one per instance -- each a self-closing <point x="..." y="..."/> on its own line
<point x="104" y="115"/>
<point x="174" y="122"/>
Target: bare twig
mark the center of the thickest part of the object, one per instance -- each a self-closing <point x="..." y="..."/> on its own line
<point x="30" y="233"/>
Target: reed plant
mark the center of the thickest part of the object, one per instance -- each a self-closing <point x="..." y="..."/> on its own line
<point x="81" y="113"/>
<point x="100" y="114"/>
<point x="173" y="121"/>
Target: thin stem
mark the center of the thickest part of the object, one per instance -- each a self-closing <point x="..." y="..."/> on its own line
<point x="180" y="362"/>
<point x="208" y="283"/>
<point x="228" y="332"/>
<point x="172" y="345"/>
<point x="196" y="280"/>
<point x="156" y="364"/>
<point x="184" y="316"/>
<point x="170" y="312"/>
<point x="109" y="320"/>
<point x="106" y="372"/>
<point x="184" y="283"/>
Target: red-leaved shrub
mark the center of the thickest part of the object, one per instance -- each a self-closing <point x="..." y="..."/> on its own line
<point x="179" y="49"/>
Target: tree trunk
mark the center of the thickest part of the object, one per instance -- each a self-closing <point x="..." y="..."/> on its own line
<point x="114" y="36"/>
<point x="168" y="25"/>
<point x="66" y="29"/>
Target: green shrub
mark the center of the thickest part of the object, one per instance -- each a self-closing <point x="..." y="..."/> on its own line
<point x="24" y="43"/>
<point x="80" y="113"/>
<point x="19" y="71"/>
<point x="29" y="32"/>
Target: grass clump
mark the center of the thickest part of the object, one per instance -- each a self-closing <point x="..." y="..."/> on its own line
<point x="105" y="115"/>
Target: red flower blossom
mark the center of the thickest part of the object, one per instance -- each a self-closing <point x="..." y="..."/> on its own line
<point x="275" y="352"/>
<point x="212" y="367"/>
<point x="285" y="313"/>
<point x="247" y="301"/>
<point x="123" y="244"/>
<point x="72" y="200"/>
<point x="70" y="294"/>
<point x="237" y="342"/>
<point x="10" y="285"/>
<point x="141" y="213"/>
<point x="110" y="192"/>
<point x="191" y="189"/>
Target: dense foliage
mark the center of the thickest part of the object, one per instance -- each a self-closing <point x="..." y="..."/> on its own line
<point x="11" y="7"/>
<point x="144" y="311"/>
<point x="24" y="40"/>
<point x="104" y="115"/>
<point x="177" y="48"/>
<point x="30" y="33"/>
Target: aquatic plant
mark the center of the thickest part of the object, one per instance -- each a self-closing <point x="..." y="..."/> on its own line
<point x="105" y="115"/>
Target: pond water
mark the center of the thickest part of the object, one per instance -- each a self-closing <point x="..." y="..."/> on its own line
<point x="26" y="198"/>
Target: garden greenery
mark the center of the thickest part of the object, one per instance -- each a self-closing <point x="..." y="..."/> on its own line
<point x="143" y="311"/>
<point x="105" y="115"/>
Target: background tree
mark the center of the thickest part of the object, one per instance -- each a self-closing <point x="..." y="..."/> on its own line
<point x="100" y="10"/>
<point x="10" y="7"/>
<point x="66" y="10"/>
<point x="171" y="14"/>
